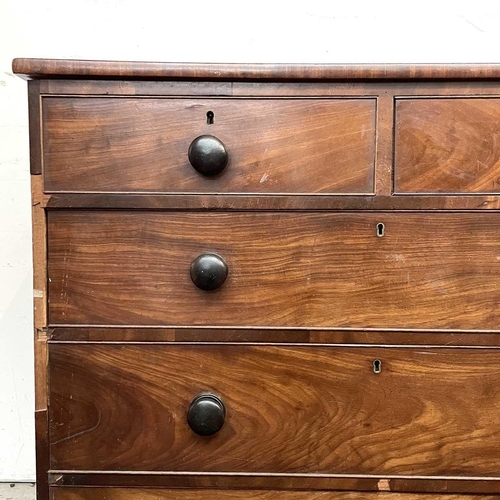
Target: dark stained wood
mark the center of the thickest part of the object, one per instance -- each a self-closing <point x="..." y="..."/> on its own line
<point x="430" y="271"/>
<point x="172" y="494"/>
<point x="288" y="409"/>
<point x="34" y="127"/>
<point x="249" y="89"/>
<point x="413" y="88"/>
<point x="275" y="145"/>
<point x="273" y="336"/>
<point x="53" y="68"/>
<point x="251" y="481"/>
<point x="221" y="202"/>
<point x="447" y="146"/>
<point x="42" y="453"/>
<point x="138" y="88"/>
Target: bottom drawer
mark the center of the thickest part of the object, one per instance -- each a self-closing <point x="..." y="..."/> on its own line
<point x="165" y="494"/>
<point x="288" y="409"/>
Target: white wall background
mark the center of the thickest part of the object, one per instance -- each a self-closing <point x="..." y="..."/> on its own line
<point x="189" y="30"/>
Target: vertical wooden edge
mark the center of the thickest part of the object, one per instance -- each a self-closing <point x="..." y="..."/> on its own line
<point x="41" y="364"/>
<point x="395" y="173"/>
<point x="39" y="227"/>
<point x="34" y="111"/>
<point x="42" y="454"/>
<point x="384" y="144"/>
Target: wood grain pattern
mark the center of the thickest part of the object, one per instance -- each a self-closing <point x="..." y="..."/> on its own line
<point x="288" y="409"/>
<point x="39" y="239"/>
<point x="429" y="271"/>
<point x="353" y="88"/>
<point x="223" y="202"/>
<point x="275" y="145"/>
<point x="35" y="136"/>
<point x="274" y="336"/>
<point x="447" y="146"/>
<point x="42" y="68"/>
<point x="385" y="144"/>
<point x="66" y="493"/>
<point x="256" y="481"/>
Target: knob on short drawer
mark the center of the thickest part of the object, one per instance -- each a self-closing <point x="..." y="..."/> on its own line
<point x="206" y="414"/>
<point x="209" y="271"/>
<point x="208" y="155"/>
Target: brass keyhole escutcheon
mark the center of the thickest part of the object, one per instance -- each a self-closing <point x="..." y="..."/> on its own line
<point x="377" y="366"/>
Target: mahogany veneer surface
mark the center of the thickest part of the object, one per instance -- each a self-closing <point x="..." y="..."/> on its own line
<point x="274" y="145"/>
<point x="447" y="145"/>
<point x="289" y="409"/>
<point x="431" y="271"/>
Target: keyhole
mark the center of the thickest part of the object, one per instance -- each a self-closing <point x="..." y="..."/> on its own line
<point x="210" y="117"/>
<point x="377" y="366"/>
<point x="380" y="229"/>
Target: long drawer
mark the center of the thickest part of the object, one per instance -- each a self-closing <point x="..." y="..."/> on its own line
<point x="288" y="409"/>
<point x="352" y="270"/>
<point x="290" y="146"/>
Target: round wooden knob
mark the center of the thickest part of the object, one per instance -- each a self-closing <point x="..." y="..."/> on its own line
<point x="208" y="155"/>
<point x="209" y="271"/>
<point x="206" y="414"/>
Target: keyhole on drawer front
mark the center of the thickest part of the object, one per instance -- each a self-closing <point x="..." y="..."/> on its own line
<point x="377" y="366"/>
<point x="380" y="229"/>
<point x="210" y="117"/>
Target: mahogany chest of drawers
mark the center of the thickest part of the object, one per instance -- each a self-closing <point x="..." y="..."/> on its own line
<point x="257" y="282"/>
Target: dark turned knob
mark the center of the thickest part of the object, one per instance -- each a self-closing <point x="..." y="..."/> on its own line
<point x="208" y="155"/>
<point x="206" y="414"/>
<point x="209" y="271"/>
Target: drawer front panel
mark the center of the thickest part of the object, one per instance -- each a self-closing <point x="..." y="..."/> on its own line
<point x="299" y="409"/>
<point x="428" y="271"/>
<point x="68" y="493"/>
<point x="274" y="145"/>
<point x="447" y="146"/>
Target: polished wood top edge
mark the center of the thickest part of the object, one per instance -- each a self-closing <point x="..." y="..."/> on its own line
<point x="64" y="68"/>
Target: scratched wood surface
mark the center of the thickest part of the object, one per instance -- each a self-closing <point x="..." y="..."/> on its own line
<point x="429" y="271"/>
<point x="288" y="409"/>
<point x="67" y="493"/>
<point x="274" y="145"/>
<point x="447" y="146"/>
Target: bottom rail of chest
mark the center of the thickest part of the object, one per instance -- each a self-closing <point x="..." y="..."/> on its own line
<point x="99" y="493"/>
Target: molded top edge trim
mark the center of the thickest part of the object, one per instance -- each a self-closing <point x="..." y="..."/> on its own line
<point x="81" y="69"/>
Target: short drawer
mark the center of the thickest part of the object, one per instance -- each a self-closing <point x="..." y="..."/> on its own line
<point x="290" y="146"/>
<point x="350" y="270"/>
<point x="96" y="493"/>
<point x="447" y="145"/>
<point x="288" y="409"/>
